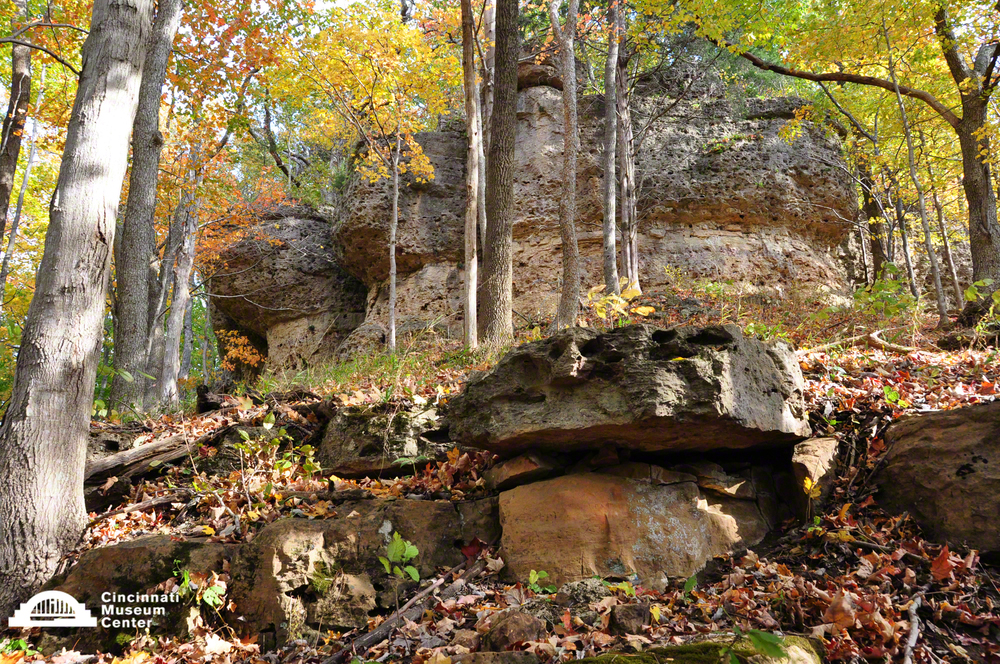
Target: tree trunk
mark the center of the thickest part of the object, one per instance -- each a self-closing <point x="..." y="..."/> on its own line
<point x="473" y="125"/>
<point x="171" y="366"/>
<point x="611" y="284"/>
<point x="25" y="179"/>
<point x="187" y="349"/>
<point x="905" y="237"/>
<point x="627" y="183"/>
<point x="134" y="254"/>
<point x="496" y="326"/>
<point x="872" y="211"/>
<point x="569" y="300"/>
<point x="393" y="226"/>
<point x="949" y="257"/>
<point x="17" y="113"/>
<point x="43" y="439"/>
<point x="942" y="302"/>
<point x="161" y="285"/>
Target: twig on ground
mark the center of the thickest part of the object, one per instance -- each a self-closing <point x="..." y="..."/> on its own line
<point x="144" y="505"/>
<point x="911" y="641"/>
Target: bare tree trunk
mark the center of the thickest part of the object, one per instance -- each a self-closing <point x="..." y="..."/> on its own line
<point x="171" y="365"/>
<point x="43" y="439"/>
<point x="627" y="183"/>
<point x="949" y="257"/>
<point x="872" y="211"/>
<point x="187" y="349"/>
<point x="17" y="113"/>
<point x="155" y="341"/>
<point x="905" y="237"/>
<point x="393" y="226"/>
<point x="942" y="302"/>
<point x="496" y="326"/>
<point x="473" y="126"/>
<point x="611" y="284"/>
<point x="25" y="179"/>
<point x="135" y="252"/>
<point x="569" y="300"/>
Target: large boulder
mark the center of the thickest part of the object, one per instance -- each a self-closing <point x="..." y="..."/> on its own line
<point x="944" y="469"/>
<point x="283" y="288"/>
<point x="299" y="576"/>
<point x="110" y="581"/>
<point x="637" y="388"/>
<point x="578" y="526"/>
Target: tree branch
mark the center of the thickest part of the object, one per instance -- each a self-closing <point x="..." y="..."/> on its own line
<point x="844" y="77"/>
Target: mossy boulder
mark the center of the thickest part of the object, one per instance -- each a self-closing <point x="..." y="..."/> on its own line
<point x="713" y="650"/>
<point x="364" y="441"/>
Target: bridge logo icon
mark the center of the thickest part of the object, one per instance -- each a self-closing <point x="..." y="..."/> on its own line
<point x="52" y="608"/>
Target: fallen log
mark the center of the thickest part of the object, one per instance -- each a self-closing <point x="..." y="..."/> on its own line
<point x="145" y="458"/>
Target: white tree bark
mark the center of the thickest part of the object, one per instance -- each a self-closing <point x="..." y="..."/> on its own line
<point x="43" y="440"/>
<point x="611" y="284"/>
<point x="473" y="125"/>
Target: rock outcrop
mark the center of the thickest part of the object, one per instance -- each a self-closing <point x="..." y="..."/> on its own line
<point x="724" y="196"/>
<point x="282" y="288"/>
<point x="635" y="388"/>
<point x="944" y="469"/>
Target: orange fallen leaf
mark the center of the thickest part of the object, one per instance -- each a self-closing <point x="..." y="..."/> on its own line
<point x="841" y="610"/>
<point x="942" y="566"/>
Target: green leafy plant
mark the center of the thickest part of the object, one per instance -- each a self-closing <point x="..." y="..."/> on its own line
<point x="534" y="585"/>
<point x="763" y="643"/>
<point x="11" y="646"/>
<point x="689" y="585"/>
<point x="765" y="331"/>
<point x="887" y="297"/>
<point x="398" y="553"/>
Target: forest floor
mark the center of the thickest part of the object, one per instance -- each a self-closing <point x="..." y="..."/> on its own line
<point x="851" y="577"/>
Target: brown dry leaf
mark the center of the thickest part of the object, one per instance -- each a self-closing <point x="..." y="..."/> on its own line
<point x="841" y="610"/>
<point x="215" y="645"/>
<point x="942" y="566"/>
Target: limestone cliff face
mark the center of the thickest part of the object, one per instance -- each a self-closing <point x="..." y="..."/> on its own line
<point x="721" y="195"/>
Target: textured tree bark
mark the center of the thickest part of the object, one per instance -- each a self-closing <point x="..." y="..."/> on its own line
<point x="473" y="123"/>
<point x="135" y="252"/>
<point x="496" y="326"/>
<point x="171" y="365"/>
<point x="161" y="284"/>
<point x="569" y="299"/>
<point x="25" y="179"/>
<point x="611" y="284"/>
<point x="949" y="257"/>
<point x="187" y="348"/>
<point x="393" y="226"/>
<point x="627" y="185"/>
<point x="43" y="438"/>
<point x="17" y="113"/>
<point x="872" y="211"/>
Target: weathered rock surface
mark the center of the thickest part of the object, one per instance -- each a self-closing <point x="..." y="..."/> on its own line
<point x="297" y="575"/>
<point x="283" y="288"/>
<point x="577" y="526"/>
<point x="510" y="629"/>
<point x="724" y="197"/>
<point x="523" y="469"/>
<point x="717" y="648"/>
<point x="131" y="568"/>
<point x="814" y="460"/>
<point x="944" y="469"/>
<point x="366" y="441"/>
<point x="636" y="388"/>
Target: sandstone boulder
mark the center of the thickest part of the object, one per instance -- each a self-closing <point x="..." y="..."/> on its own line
<point x="510" y="629"/>
<point x="577" y="526"/>
<point x="284" y="289"/>
<point x="636" y="388"/>
<point x="297" y="576"/>
<point x="944" y="469"/>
